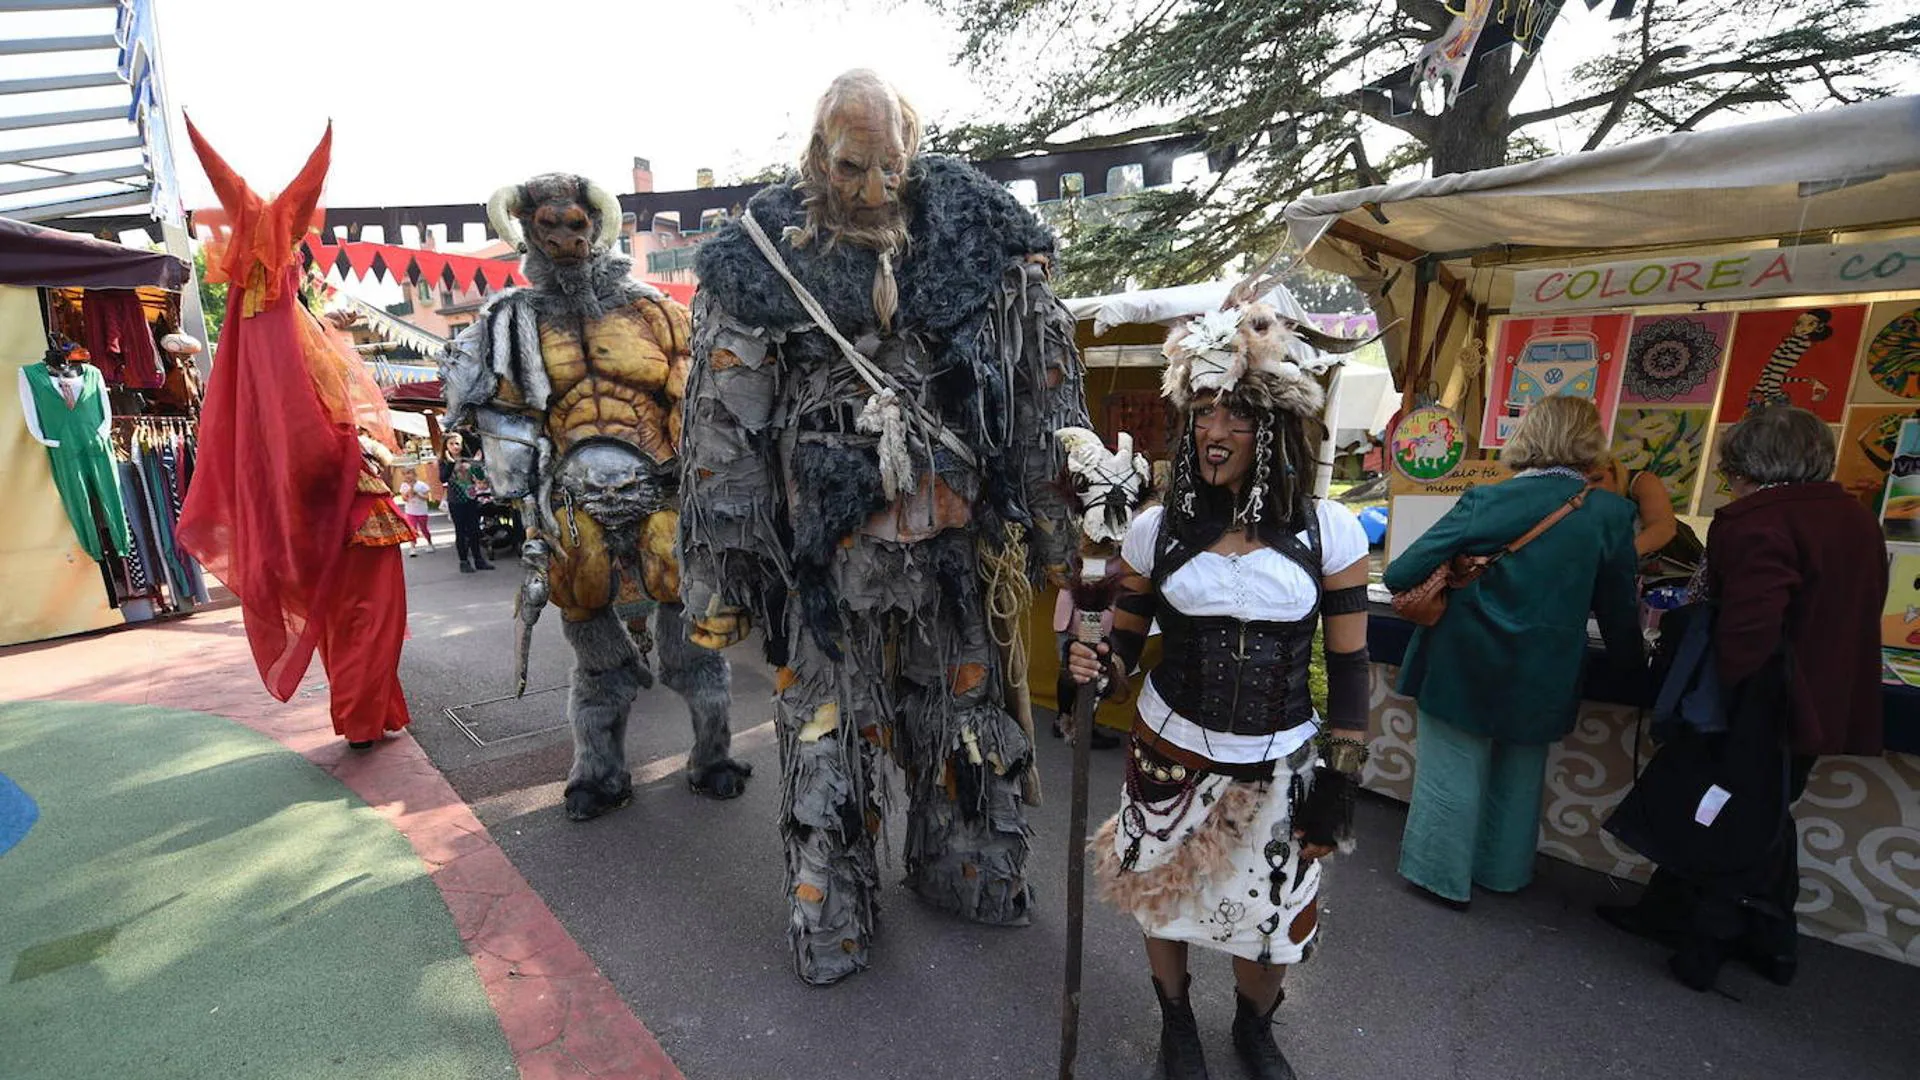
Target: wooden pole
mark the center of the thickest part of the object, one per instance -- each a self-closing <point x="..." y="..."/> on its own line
<point x="1087" y="630"/>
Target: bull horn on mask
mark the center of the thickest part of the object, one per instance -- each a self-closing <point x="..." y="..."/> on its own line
<point x="502" y="211"/>
<point x="608" y="207"/>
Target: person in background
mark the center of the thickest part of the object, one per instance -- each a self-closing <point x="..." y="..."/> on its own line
<point x="1655" y="525"/>
<point x="1794" y="563"/>
<point x="413" y="491"/>
<point x="462" y="477"/>
<point x="1498" y="678"/>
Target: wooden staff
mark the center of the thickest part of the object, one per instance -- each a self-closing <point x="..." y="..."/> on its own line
<point x="1092" y="595"/>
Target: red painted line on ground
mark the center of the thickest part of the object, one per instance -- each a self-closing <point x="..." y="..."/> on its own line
<point x="562" y="1018"/>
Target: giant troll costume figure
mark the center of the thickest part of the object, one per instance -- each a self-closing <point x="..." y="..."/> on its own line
<point x="869" y="465"/>
<point x="575" y="386"/>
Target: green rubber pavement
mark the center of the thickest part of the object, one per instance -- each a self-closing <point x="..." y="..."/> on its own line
<point x="197" y="901"/>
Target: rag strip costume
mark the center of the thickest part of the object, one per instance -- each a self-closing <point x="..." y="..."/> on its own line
<point x="868" y="465"/>
<point x="575" y="385"/>
<point x="68" y="414"/>
<point x="284" y="507"/>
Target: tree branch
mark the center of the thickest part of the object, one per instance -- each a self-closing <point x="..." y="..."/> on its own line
<point x="1742" y="67"/>
<point x="1727" y="101"/>
<point x="1629" y="88"/>
<point x="1378" y="106"/>
<point x="1432" y="13"/>
<point x="1821" y="70"/>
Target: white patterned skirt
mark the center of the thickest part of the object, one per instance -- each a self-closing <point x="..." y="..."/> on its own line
<point x="1213" y="861"/>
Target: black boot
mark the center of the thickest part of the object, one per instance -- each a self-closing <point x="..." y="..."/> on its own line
<point x="1253" y="1039"/>
<point x="1180" y="1055"/>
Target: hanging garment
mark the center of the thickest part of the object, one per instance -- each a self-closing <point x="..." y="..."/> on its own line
<point x="173" y="484"/>
<point x="71" y="421"/>
<point x="138" y="555"/>
<point x="154" y="489"/>
<point x="119" y="339"/>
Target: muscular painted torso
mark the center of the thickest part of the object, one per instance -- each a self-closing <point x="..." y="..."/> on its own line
<point x="620" y="376"/>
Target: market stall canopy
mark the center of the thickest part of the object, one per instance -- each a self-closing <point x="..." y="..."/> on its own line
<point x="416" y="396"/>
<point x="1833" y="177"/>
<point x="410" y="423"/>
<point x="33" y="256"/>
<point x="1837" y="170"/>
<point x="1168" y="305"/>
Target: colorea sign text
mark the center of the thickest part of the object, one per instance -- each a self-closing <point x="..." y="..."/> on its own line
<point x="1741" y="275"/>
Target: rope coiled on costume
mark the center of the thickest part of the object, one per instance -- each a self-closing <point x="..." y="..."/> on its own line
<point x="1009" y="597"/>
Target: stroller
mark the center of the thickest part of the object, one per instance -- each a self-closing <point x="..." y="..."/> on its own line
<point x="501" y="529"/>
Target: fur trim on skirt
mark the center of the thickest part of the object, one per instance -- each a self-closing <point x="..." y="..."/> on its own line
<point x="1228" y="876"/>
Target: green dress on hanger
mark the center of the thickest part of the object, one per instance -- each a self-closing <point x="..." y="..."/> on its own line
<point x="81" y="456"/>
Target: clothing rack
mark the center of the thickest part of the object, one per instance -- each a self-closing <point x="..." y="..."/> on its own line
<point x="155" y="456"/>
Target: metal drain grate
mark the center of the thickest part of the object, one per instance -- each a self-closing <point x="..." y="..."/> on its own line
<point x="506" y="718"/>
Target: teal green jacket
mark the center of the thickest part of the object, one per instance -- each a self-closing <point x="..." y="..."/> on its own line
<point x="1506" y="659"/>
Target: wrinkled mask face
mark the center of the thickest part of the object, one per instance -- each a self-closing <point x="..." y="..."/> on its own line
<point x="560" y="226"/>
<point x="866" y="158"/>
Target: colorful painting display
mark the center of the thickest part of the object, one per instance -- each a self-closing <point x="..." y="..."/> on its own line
<point x="1538" y="358"/>
<point x="1802" y="356"/>
<point x="1890" y="354"/>
<point x="1428" y="443"/>
<point x="1900" y="615"/>
<point x="1900" y="513"/>
<point x="1714" y="492"/>
<point x="1867" y="442"/>
<point x="1669" y="443"/>
<point x="1675" y="359"/>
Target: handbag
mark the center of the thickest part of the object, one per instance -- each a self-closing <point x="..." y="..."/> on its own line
<point x="1718" y="804"/>
<point x="1425" y="603"/>
<point x="1684" y="668"/>
<point x="1679" y="560"/>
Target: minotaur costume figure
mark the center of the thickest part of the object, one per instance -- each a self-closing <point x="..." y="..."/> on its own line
<point x="575" y="387"/>
<point x="869" y="465"/>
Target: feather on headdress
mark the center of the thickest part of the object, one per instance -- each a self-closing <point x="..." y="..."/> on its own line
<point x="1248" y="349"/>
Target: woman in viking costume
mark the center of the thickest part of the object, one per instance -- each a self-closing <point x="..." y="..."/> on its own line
<point x="1235" y="785"/>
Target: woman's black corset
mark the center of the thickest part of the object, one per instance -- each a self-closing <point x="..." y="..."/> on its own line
<point x="1234" y="676"/>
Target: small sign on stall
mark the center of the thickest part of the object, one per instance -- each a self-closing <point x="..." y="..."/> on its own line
<point x="1417" y="504"/>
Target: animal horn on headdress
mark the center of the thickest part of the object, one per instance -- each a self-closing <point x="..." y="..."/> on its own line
<point x="1334" y="343"/>
<point x="1258" y="283"/>
<point x="500" y="214"/>
<point x="610" y="213"/>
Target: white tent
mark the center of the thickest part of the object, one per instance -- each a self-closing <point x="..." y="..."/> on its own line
<point x="1361" y="401"/>
<point x="1835" y="176"/>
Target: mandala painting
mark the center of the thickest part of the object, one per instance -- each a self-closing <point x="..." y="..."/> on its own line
<point x="1675" y="359"/>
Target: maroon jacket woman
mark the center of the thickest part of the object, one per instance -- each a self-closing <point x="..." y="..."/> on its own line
<point x="1804" y="560"/>
<point x="1794" y="560"/>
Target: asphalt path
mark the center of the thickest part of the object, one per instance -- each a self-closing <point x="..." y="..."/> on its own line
<point x="679" y="900"/>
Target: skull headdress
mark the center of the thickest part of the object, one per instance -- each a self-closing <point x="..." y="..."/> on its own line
<point x="1108" y="485"/>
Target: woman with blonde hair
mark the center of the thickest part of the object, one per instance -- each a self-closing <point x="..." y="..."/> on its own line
<point x="1498" y="678"/>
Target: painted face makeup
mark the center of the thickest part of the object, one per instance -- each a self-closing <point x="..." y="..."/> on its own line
<point x="1223" y="440"/>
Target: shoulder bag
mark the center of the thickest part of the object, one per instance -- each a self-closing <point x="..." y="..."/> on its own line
<point x="1425" y="603"/>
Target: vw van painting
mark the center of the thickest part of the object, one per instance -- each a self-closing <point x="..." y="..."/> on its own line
<point x="1550" y="364"/>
